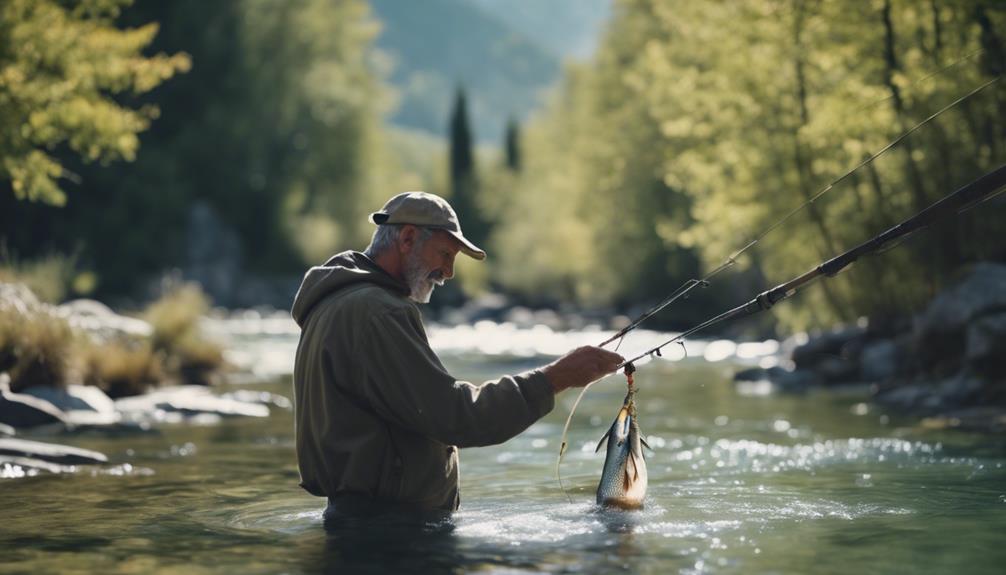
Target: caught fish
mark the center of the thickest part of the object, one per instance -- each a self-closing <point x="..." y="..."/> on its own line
<point x="623" y="482"/>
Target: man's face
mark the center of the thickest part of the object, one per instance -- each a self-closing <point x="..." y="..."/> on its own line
<point x="430" y="263"/>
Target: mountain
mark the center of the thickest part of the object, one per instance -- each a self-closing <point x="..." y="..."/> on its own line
<point x="505" y="62"/>
<point x="566" y="28"/>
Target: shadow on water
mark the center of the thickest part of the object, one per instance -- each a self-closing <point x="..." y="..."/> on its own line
<point x="386" y="542"/>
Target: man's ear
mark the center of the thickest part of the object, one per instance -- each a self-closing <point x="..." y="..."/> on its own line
<point x="407" y="238"/>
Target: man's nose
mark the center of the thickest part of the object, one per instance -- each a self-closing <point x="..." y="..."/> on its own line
<point x="448" y="269"/>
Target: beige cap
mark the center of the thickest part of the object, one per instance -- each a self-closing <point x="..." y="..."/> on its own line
<point x="427" y="211"/>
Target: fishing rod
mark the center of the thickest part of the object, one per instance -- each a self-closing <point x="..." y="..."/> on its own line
<point x="683" y="290"/>
<point x="980" y="190"/>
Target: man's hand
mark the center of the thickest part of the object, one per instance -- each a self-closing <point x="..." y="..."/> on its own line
<point x="580" y="367"/>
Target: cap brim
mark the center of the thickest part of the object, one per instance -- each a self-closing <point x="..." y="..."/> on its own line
<point x="470" y="249"/>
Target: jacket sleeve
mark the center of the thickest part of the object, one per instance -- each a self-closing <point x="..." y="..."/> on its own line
<point x="405" y="382"/>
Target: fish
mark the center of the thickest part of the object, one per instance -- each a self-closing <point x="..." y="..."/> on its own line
<point x="624" y="480"/>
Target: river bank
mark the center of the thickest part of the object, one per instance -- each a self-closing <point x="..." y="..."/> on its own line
<point x="946" y="365"/>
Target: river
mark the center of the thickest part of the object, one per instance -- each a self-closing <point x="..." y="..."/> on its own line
<point x="741" y="481"/>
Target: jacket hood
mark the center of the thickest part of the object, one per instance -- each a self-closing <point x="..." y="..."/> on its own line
<point x="339" y="271"/>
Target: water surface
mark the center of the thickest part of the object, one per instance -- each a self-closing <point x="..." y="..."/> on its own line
<point x="739" y="483"/>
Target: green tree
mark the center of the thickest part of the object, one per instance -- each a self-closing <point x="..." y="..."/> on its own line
<point x="511" y="145"/>
<point x="463" y="177"/>
<point x="61" y="65"/>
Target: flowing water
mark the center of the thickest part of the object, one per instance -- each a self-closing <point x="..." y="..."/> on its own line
<point x="740" y="482"/>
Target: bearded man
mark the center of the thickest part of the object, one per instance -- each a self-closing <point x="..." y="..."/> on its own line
<point x="379" y="420"/>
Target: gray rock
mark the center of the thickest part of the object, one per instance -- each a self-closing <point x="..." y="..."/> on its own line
<point x="100" y="322"/>
<point x="796" y="380"/>
<point x="985" y="347"/>
<point x="826" y="345"/>
<point x="260" y="397"/>
<point x="751" y="374"/>
<point x="22" y="411"/>
<point x="51" y="452"/>
<point x="879" y="360"/>
<point x="186" y="400"/>
<point x="940" y="330"/>
<point x="837" y="370"/>
<point x="74" y="397"/>
<point x="906" y="397"/>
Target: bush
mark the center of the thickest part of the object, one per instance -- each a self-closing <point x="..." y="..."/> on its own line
<point x="175" y="321"/>
<point x="122" y="368"/>
<point x="35" y="348"/>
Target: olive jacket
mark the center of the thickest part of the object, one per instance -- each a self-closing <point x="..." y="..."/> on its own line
<point x="376" y="412"/>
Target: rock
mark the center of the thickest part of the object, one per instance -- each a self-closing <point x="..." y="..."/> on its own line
<point x="822" y="346"/>
<point x="837" y="370"/>
<point x="879" y="360"/>
<point x="100" y="322"/>
<point x="985" y="347"/>
<point x="940" y="330"/>
<point x="905" y="397"/>
<point x="12" y="467"/>
<point x="74" y="397"/>
<point x="260" y="397"/>
<point x="22" y="411"/>
<point x="187" y="400"/>
<point x="751" y="374"/>
<point x="51" y="452"/>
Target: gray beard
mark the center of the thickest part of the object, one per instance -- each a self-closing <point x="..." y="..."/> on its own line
<point x="420" y="280"/>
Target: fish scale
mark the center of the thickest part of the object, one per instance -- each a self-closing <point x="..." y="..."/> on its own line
<point x="624" y="479"/>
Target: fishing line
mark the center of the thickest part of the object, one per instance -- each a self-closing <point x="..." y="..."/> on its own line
<point x="683" y="290"/>
<point x="989" y="185"/>
<point x="691" y="284"/>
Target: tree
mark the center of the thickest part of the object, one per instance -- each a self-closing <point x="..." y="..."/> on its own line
<point x="511" y="145"/>
<point x="61" y="64"/>
<point x="464" y="181"/>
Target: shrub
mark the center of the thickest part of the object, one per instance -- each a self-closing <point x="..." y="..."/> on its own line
<point x="35" y="348"/>
<point x="175" y="321"/>
<point x="122" y="368"/>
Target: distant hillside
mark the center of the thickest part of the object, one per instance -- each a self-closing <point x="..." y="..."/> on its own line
<point x="566" y="28"/>
<point x="436" y="45"/>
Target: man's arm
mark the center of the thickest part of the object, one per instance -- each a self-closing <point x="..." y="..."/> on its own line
<point x="406" y="383"/>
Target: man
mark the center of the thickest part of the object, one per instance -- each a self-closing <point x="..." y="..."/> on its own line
<point x="378" y="419"/>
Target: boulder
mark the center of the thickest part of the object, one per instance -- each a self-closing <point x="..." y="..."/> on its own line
<point x="51" y="452"/>
<point x="826" y="345"/>
<point x="73" y="397"/>
<point x="22" y="411"/>
<point x="879" y="360"/>
<point x="939" y="331"/>
<point x="985" y="345"/>
<point x="186" y="400"/>
<point x="100" y="322"/>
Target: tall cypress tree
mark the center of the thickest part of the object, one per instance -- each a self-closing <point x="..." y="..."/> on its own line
<point x="511" y="145"/>
<point x="464" y="182"/>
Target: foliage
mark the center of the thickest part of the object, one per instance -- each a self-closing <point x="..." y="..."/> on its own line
<point x="60" y="65"/>
<point x="122" y="368"/>
<point x="176" y="333"/>
<point x="277" y="127"/>
<point x="35" y="347"/>
<point x="699" y="124"/>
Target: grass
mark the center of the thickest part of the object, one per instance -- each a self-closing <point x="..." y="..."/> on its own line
<point x="51" y="278"/>
<point x="35" y="348"/>
<point x="175" y="321"/>
<point x="40" y="348"/>
<point x="122" y="368"/>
